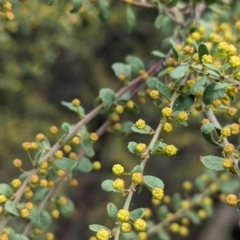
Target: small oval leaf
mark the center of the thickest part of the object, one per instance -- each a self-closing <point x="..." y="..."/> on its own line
<point x="212" y="162"/>
<point x="179" y="72"/>
<point x="107" y="96"/>
<point x="137" y="213"/>
<point x="112" y="210"/>
<point x="77" y="4"/>
<point x="65" y="163"/>
<point x="107" y="186"/>
<point x="132" y="147"/>
<point x="10" y="208"/>
<point x="97" y="227"/>
<point x="153" y="182"/>
<point x="84" y="164"/>
<point x="202" y="50"/>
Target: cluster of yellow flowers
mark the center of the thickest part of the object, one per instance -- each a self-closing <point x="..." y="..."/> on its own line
<point x="7" y="11"/>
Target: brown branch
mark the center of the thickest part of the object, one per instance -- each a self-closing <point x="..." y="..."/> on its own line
<point x="100" y="131"/>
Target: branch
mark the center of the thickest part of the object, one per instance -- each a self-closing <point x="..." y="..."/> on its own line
<point x="131" y="86"/>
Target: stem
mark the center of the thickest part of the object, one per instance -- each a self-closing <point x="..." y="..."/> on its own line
<point x="214" y="120"/>
<point x="144" y="162"/>
<point x="45" y="201"/>
<point x="74" y="130"/>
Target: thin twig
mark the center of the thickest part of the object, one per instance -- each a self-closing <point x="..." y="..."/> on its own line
<point x="211" y="116"/>
<point x="99" y="132"/>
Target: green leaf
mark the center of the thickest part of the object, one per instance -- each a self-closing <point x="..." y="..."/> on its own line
<point x="147" y="130"/>
<point x="43" y="220"/>
<point x="159" y="21"/>
<point x="166" y="25"/>
<point x="12" y="235"/>
<point x="70" y="106"/>
<point x="195" y="47"/>
<point x="213" y="91"/>
<point x="126" y="127"/>
<point x="34" y="214"/>
<point x="137" y="213"/>
<point x="213" y="75"/>
<point x="6" y="190"/>
<point x="152" y="82"/>
<point x="207" y="128"/>
<point x="67" y="209"/>
<point x="171" y="3"/>
<point x="66" y="127"/>
<point x="97" y="227"/>
<point x="9" y="230"/>
<point x="133" y="111"/>
<point x="183" y="102"/>
<point x="158" y="145"/>
<point x="193" y="217"/>
<point x="51" y="174"/>
<point x="131" y="18"/>
<point x="40" y="194"/>
<point x="212" y="162"/>
<point x="88" y="147"/>
<point x="176" y="201"/>
<point x="84" y="164"/>
<point x="162" y="73"/>
<point x="202" y="50"/>
<point x="104" y="10"/>
<point x="10" y="208"/>
<point x="153" y="182"/>
<point x="179" y="72"/>
<point x="23" y="176"/>
<point x="162" y="211"/>
<point x="77" y="4"/>
<point x="137" y="169"/>
<point x="112" y="210"/>
<point x="39" y="155"/>
<point x="107" y="186"/>
<point x="212" y="175"/>
<point x="174" y="50"/>
<point x="159" y="54"/>
<point x="65" y="163"/>
<point x="135" y="63"/>
<point x="107" y="96"/>
<point x="121" y="68"/>
<point x="212" y="67"/>
<point x="163" y="235"/>
<point x="198" y="85"/>
<point x="209" y="138"/>
<point x="200" y="184"/>
<point x="45" y="143"/>
<point x="164" y="90"/>
<point x="229" y="186"/>
<point x="129" y="236"/>
<point x="132" y="147"/>
<point x="17" y="236"/>
<point x="124" y="98"/>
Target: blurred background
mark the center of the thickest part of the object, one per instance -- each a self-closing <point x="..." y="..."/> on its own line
<point x="48" y="55"/>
